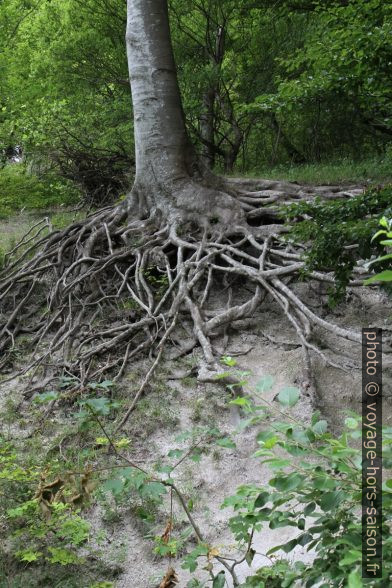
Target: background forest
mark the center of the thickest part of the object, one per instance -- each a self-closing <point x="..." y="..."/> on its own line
<point x="267" y="87"/>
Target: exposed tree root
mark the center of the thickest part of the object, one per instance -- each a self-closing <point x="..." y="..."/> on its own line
<point x="107" y="289"/>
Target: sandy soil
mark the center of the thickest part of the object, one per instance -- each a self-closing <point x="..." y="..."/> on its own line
<point x="185" y="403"/>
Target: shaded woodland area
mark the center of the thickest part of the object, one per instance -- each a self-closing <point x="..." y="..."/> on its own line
<point x="263" y="84"/>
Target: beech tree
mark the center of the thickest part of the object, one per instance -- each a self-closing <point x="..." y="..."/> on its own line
<point x="170" y="178"/>
<point x="131" y="278"/>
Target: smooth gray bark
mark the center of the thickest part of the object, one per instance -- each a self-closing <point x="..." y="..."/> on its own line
<point x="170" y="179"/>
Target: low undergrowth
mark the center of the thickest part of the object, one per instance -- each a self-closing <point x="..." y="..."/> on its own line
<point x="22" y="190"/>
<point x="51" y="483"/>
<point x="340" y="233"/>
<point x="377" y="169"/>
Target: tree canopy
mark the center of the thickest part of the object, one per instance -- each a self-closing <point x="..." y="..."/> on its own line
<point x="262" y="82"/>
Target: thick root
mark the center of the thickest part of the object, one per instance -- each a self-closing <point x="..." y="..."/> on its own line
<point x="107" y="289"/>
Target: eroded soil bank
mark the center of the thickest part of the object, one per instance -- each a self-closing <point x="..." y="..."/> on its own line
<point x="175" y="403"/>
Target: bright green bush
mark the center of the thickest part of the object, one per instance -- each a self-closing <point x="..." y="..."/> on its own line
<point x="330" y="226"/>
<point x="386" y="233"/>
<point x="21" y="190"/>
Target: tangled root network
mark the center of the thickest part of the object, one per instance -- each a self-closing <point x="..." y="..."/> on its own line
<point x="108" y="288"/>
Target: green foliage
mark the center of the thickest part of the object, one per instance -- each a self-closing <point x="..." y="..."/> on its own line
<point x="375" y="169"/>
<point x="64" y="95"/>
<point x="339" y="232"/>
<point x="38" y="526"/>
<point x="279" y="575"/>
<point x="386" y="234"/>
<point x="314" y="490"/>
<point x="21" y="190"/>
<point x="279" y="82"/>
<point x="320" y="498"/>
<point x="336" y="81"/>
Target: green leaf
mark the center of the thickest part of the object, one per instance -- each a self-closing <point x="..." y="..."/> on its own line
<point x="378" y="234"/>
<point x="323" y="482"/>
<point x="62" y="556"/>
<point x="320" y="427"/>
<point x="240" y="401"/>
<point x="28" y="555"/>
<point x="354" y="580"/>
<point x="309" y="508"/>
<point x="164" y="469"/>
<point x="382" y="258"/>
<point x="115" y="486"/>
<point x="331" y="500"/>
<point x="301" y="524"/>
<point x="274" y="549"/>
<point x="230" y="361"/>
<point x="271" y="442"/>
<point x="351" y="423"/>
<point x="265" y="384"/>
<point x="385" y="276"/>
<point x="45" y="397"/>
<point x="351" y="557"/>
<point x="287" y="483"/>
<point x="219" y="580"/>
<point x="289" y="396"/>
<point x="226" y="443"/>
<point x="277" y="463"/>
<point x="249" y="557"/>
<point x="315" y="417"/>
<point x="99" y="406"/>
<point x="176" y="453"/>
<point x="289" y="546"/>
<point x="153" y="490"/>
<point x="195" y="457"/>
<point x="262" y="499"/>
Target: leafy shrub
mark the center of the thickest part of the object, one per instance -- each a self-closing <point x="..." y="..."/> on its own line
<point x="316" y="488"/>
<point x="331" y="227"/>
<point x="19" y="190"/>
<point x="386" y="233"/>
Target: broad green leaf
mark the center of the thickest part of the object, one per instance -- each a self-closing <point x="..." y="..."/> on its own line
<point x="331" y="500"/>
<point x="115" y="486"/>
<point x="287" y="483"/>
<point x="153" y="490"/>
<point x="351" y="557"/>
<point x="262" y="499"/>
<point x="265" y="384"/>
<point x="320" y="427"/>
<point x="219" y="580"/>
<point x="289" y="396"/>
<point x="385" y="276"/>
<point x="226" y="443"/>
<point x="309" y="508"/>
<point x="354" y="580"/>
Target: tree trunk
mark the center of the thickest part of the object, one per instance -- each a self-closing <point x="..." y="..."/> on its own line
<point x="207" y="128"/>
<point x="170" y="180"/>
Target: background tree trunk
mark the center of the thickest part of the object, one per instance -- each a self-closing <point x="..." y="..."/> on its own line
<point x="163" y="150"/>
<point x="171" y="181"/>
<point x="207" y="128"/>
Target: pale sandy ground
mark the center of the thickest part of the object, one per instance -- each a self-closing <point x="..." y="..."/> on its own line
<point x="216" y="478"/>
